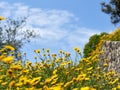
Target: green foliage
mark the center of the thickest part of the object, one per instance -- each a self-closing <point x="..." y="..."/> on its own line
<point x="91" y="45"/>
<point x="113" y="9"/>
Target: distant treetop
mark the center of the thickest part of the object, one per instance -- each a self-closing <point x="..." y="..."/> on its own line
<point x="113" y="9"/>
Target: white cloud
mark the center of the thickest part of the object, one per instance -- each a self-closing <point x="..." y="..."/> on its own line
<point x="80" y="36"/>
<point x="57" y="28"/>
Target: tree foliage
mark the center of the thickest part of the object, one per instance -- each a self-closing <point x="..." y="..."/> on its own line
<point x="12" y="32"/>
<point x="113" y="9"/>
<point x="91" y="45"/>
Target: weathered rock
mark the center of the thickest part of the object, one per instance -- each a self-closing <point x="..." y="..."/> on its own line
<point x="111" y="54"/>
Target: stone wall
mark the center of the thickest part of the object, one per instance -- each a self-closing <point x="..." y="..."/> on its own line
<point x="111" y="55"/>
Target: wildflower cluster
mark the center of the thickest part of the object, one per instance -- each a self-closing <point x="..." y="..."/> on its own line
<point x="54" y="72"/>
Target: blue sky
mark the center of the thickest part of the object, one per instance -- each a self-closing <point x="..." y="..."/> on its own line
<point x="62" y="24"/>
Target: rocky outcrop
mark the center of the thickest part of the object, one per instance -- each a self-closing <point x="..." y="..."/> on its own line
<point x="111" y="55"/>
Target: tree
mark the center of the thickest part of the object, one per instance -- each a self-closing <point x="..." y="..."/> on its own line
<point x="113" y="9"/>
<point x="91" y="45"/>
<point x="12" y="33"/>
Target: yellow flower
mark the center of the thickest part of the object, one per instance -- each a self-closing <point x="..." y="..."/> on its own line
<point x="54" y="76"/>
<point x="11" y="84"/>
<point x="19" y="84"/>
<point x="28" y="64"/>
<point x="68" y="84"/>
<point x="87" y="88"/>
<point x="4" y="83"/>
<point x="37" y="51"/>
<point x="48" y="80"/>
<point x="57" y="61"/>
<point x="9" y="47"/>
<point x="81" y="77"/>
<point x="74" y="79"/>
<point x="10" y="72"/>
<point x="75" y="89"/>
<point x="114" y="88"/>
<point x="60" y="51"/>
<point x="67" y="54"/>
<point x="70" y="62"/>
<point x="118" y="86"/>
<point x="77" y="49"/>
<point x="67" y="72"/>
<point x="55" y="71"/>
<point x="35" y="57"/>
<point x="23" y="80"/>
<point x="25" y="71"/>
<point x="2" y="18"/>
<point x="45" y="87"/>
<point x="2" y="56"/>
<point x="87" y="79"/>
<point x="89" y="69"/>
<point x="78" y="69"/>
<point x="19" y="54"/>
<point x="54" y="80"/>
<point x="48" y="50"/>
<point x="41" y="83"/>
<point x="16" y="67"/>
<point x="8" y="59"/>
<point x="54" y="55"/>
<point x="59" y="84"/>
<point x="105" y="64"/>
<point x="115" y="81"/>
<point x="36" y="81"/>
<point x="63" y="63"/>
<point x="98" y="68"/>
<point x="32" y="88"/>
<point x="111" y="73"/>
<point x="56" y="88"/>
<point x="2" y="76"/>
<point x="17" y="88"/>
<point x="0" y="81"/>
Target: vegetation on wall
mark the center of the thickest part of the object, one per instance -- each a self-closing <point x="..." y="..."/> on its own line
<point x="91" y="45"/>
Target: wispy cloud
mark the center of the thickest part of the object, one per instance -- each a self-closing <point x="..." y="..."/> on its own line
<point x="58" y="28"/>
